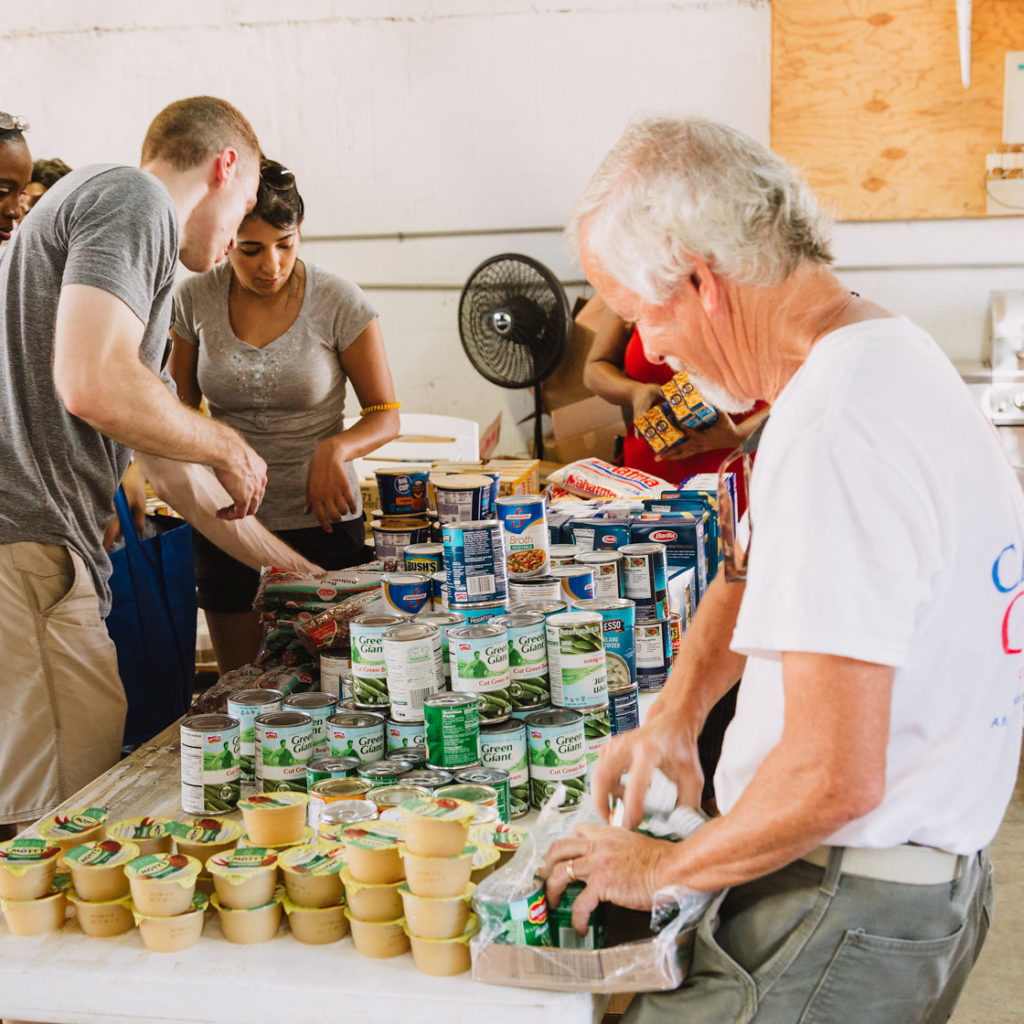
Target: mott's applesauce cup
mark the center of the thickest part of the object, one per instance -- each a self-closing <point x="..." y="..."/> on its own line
<point x="576" y="660"/>
<point x="284" y="745"/>
<point x="369" y="669"/>
<point x="358" y="734"/>
<point x="504" y="746"/>
<point x="557" y="752"/>
<point x="527" y="658"/>
<point x="210" y="764"/>
<point x="521" y="919"/>
<point x="452" y="730"/>
<point x="479" y="660"/>
<point x="319" y="707"/>
<point x="444" y="620"/>
<point x="524" y="517"/>
<point x="245" y="705"/>
<point x="413" y="654"/>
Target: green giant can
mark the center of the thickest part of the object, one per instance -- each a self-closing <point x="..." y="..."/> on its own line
<point x="284" y="744"/>
<point x="245" y="705"/>
<point x="504" y="746"/>
<point x="557" y="752"/>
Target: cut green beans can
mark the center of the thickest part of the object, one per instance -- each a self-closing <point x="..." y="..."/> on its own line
<point x="576" y="660"/>
<point x="245" y="705"/>
<point x="479" y="665"/>
<point x="504" y="746"/>
<point x="359" y="734"/>
<point x="369" y="669"/>
<point x="284" y="745"/>
<point x="557" y="753"/>
<point x="319" y="707"/>
<point x="210" y="754"/>
<point x="597" y="731"/>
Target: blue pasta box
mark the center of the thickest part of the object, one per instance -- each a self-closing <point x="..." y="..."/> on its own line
<point x="694" y="503"/>
<point x="556" y="522"/>
<point x="682" y="593"/>
<point x="600" y="534"/>
<point x="683" y="537"/>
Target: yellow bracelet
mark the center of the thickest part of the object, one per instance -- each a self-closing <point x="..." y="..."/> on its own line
<point x="380" y="407"/>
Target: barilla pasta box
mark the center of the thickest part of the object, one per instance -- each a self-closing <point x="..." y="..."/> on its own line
<point x="693" y="504"/>
<point x="706" y="484"/>
<point x="556" y="522"/>
<point x="599" y="534"/>
<point x="682" y="593"/>
<point x="683" y="537"/>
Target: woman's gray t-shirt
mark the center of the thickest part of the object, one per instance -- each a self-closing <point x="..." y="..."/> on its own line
<point x="283" y="398"/>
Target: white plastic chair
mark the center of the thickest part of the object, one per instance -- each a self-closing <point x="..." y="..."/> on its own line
<point x="440" y="437"/>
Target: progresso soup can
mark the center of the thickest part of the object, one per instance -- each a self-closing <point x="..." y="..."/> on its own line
<point x="319" y="707"/>
<point x="210" y="764"/>
<point x="645" y="580"/>
<point x="557" y="753"/>
<point x="425" y="558"/>
<point x="405" y="593"/>
<point x="524" y="517"/>
<point x="284" y="744"/>
<point x="577" y="583"/>
<point x="504" y="746"/>
<point x="359" y="734"/>
<point x="245" y="705"/>
<point x="474" y="562"/>
<point x="576" y="660"/>
<point x="607" y="566"/>
<point x="618" y="615"/>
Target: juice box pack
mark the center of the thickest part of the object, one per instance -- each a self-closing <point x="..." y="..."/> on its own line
<point x="683" y="406"/>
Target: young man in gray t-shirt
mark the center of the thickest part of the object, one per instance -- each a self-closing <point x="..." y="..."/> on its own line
<point x="85" y="308"/>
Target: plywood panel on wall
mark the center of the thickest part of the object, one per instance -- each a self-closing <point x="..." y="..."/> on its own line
<point x="867" y="102"/>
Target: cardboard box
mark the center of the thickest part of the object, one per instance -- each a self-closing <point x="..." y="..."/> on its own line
<point x="565" y="383"/>
<point x="599" y="443"/>
<point x="627" y="964"/>
<point x="591" y="413"/>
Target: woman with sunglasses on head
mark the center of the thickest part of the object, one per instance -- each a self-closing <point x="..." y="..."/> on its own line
<point x="270" y="341"/>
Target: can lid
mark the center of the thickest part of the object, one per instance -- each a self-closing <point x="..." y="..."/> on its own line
<point x="556" y="716"/>
<point x="255" y="697"/>
<point x="536" y="581"/>
<point x="409" y="631"/>
<point x="599" y="557"/>
<point x="282" y="719"/>
<point x="430" y="548"/>
<point x="518" y="619"/>
<point x="473" y="524"/>
<point x="210" y="723"/>
<point x="545" y="608"/>
<point x="558" y="571"/>
<point x="486" y="631"/>
<point x="646" y="548"/>
<point x="411" y="578"/>
<point x="311" y="700"/>
<point x="441" y="618"/>
<point x="607" y="604"/>
<point x="356" y="719"/>
<point x="511" y="725"/>
<point x="450" y="698"/>
<point x="375" y="619"/>
<point x="575" y="619"/>
<point x="334" y="764"/>
<point x="483" y="776"/>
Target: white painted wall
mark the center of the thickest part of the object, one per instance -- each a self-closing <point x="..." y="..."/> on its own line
<point x="462" y="123"/>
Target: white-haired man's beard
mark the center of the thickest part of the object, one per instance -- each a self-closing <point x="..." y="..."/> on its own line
<point x="712" y="392"/>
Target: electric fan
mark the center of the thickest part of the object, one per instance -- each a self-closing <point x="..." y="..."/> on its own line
<point x="514" y="323"/>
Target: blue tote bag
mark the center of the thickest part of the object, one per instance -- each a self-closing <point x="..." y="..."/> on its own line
<point x="153" y="621"/>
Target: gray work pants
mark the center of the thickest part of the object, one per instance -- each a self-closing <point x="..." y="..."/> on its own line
<point x="810" y="945"/>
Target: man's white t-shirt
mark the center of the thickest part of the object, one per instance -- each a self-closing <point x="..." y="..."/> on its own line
<point x="888" y="526"/>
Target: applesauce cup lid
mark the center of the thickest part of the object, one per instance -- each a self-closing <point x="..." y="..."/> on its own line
<point x="239" y="865"/>
<point x="278" y="897"/>
<point x="505" y="838"/>
<point x="313" y="859"/>
<point x="272" y="801"/>
<point x="164" y="867"/>
<point x="200" y="901"/>
<point x="128" y="829"/>
<point x="103" y="853"/>
<point x="374" y="835"/>
<point x="19" y="856"/>
<point x="206" y="831"/>
<point x="438" y="809"/>
<point x="68" y="824"/>
<point x="472" y="927"/>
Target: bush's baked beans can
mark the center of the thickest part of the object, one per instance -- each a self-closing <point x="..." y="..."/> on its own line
<point x="576" y="582"/>
<point x="284" y="745"/>
<point x="369" y="668"/>
<point x="245" y="705"/>
<point x="453" y="730"/>
<point x="319" y="707"/>
<point x="576" y="660"/>
<point x="524" y="517"/>
<point x="210" y="764"/>
<point x="474" y="561"/>
<point x="504" y="746"/>
<point x="444" y="620"/>
<point x="645" y="580"/>
<point x="618" y="627"/>
<point x="479" y="664"/>
<point x="607" y="566"/>
<point x="557" y="753"/>
<point x="653" y="654"/>
<point x="413" y="655"/>
<point x="535" y="588"/>
<point x="426" y="558"/>
<point x="564" y="554"/>
<point x="358" y="734"/>
<point x="677" y="631"/>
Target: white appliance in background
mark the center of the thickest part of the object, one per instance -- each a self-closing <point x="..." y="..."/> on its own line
<point x="1007" y="332"/>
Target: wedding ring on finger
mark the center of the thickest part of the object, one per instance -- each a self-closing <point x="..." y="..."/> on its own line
<point x="570" y="871"/>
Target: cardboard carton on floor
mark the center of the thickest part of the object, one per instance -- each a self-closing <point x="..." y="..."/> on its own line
<point x="633" y="961"/>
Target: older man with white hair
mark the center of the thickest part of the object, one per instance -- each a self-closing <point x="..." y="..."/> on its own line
<point x="872" y="615"/>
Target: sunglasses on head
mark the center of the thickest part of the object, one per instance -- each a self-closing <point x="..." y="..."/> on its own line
<point x="277" y="177"/>
<point x="13" y="123"/>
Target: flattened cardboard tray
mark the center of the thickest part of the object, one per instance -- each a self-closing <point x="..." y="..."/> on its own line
<point x="630" y="966"/>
